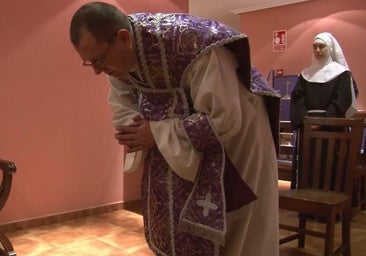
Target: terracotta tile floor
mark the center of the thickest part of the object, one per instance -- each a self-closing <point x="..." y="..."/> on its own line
<point x="114" y="233"/>
<point x="121" y="233"/>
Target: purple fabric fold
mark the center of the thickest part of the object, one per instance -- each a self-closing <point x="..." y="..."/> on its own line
<point x="218" y="187"/>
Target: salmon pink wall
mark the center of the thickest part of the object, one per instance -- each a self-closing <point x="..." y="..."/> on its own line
<point x="346" y="20"/>
<point x="55" y="123"/>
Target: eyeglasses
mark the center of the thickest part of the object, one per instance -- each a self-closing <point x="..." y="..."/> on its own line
<point x="101" y="61"/>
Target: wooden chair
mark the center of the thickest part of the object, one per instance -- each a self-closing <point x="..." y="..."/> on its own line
<point x="360" y="178"/>
<point x="327" y="166"/>
<point x="8" y="168"/>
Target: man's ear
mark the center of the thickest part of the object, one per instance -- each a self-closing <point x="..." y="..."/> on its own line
<point x="125" y="36"/>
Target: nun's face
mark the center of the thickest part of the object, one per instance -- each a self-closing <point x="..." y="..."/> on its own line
<point x="320" y="49"/>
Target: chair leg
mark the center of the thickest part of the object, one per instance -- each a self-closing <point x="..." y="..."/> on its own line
<point x="8" y="248"/>
<point x="346" y="232"/>
<point x="363" y="192"/>
<point x="302" y="226"/>
<point x="329" y="236"/>
<point x="356" y="195"/>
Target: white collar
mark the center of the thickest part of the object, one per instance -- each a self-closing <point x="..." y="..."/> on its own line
<point x="323" y="74"/>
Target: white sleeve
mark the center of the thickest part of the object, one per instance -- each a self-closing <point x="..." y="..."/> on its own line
<point x="174" y="145"/>
<point x="123" y="106"/>
<point x="214" y="91"/>
<point x="121" y="102"/>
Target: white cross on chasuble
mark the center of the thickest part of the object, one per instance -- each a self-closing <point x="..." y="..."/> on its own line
<point x="206" y="204"/>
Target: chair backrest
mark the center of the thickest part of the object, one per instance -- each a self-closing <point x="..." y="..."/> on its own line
<point x="362" y="114"/>
<point x="363" y="144"/>
<point x="330" y="152"/>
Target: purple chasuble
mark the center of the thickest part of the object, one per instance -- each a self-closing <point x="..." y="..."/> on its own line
<point x="181" y="217"/>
